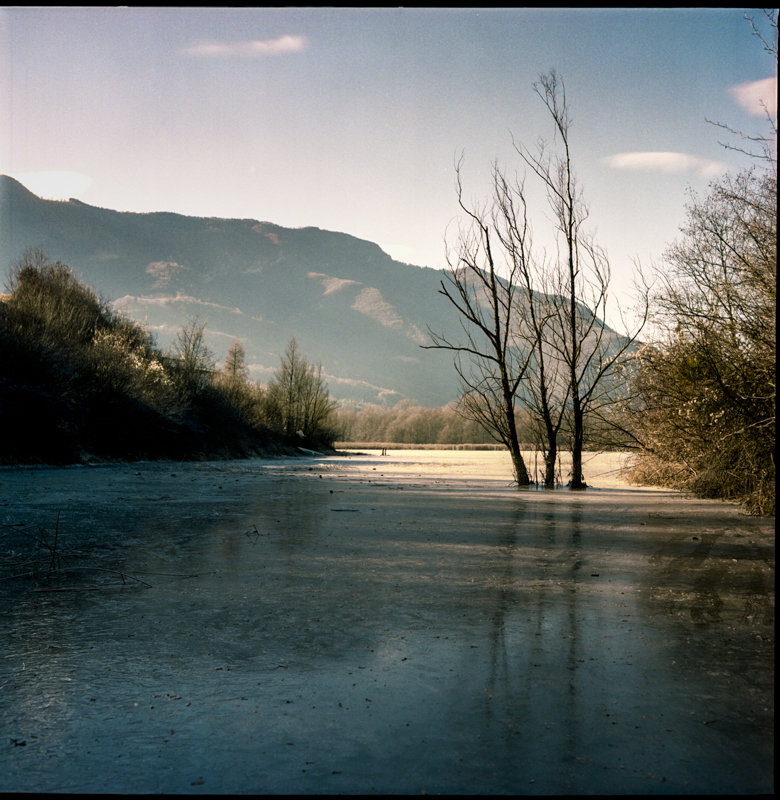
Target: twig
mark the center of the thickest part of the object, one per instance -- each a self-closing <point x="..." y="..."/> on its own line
<point x="67" y="589"/>
<point x="173" y="574"/>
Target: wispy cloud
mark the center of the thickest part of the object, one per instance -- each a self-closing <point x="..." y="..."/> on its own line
<point x="757" y="97"/>
<point x="249" y="49"/>
<point x="665" y="162"/>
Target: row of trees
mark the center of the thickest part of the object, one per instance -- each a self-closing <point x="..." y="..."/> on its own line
<point x="79" y="379"/>
<point x="407" y="422"/>
<point x="295" y="402"/>
<point x="531" y="323"/>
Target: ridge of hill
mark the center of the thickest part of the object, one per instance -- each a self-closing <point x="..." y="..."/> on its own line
<point x="351" y="307"/>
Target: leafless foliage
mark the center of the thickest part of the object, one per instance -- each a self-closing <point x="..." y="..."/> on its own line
<point x="297" y="400"/>
<point x="488" y="359"/>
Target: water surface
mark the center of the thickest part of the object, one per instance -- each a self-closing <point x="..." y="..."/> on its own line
<point x="380" y="624"/>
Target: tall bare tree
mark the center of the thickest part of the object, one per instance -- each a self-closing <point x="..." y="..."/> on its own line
<point x="576" y="282"/>
<point x="481" y="283"/>
<point x="234" y="370"/>
<point x="233" y="380"/>
<point x="194" y="360"/>
<point x="545" y="392"/>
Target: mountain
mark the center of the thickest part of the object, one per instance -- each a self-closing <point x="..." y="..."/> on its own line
<point x="350" y="306"/>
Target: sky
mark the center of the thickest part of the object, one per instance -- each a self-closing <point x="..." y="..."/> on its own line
<point x="352" y="119"/>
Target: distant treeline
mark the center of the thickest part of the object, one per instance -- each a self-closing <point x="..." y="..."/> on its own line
<point x="79" y="382"/>
<point x="408" y="422"/>
<point x="398" y="446"/>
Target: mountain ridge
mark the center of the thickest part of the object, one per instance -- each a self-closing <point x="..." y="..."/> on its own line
<point x="353" y="308"/>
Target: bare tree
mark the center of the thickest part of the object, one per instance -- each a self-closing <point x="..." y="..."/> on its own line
<point x="545" y="392"/>
<point x="233" y="380"/>
<point x="234" y="369"/>
<point x="297" y="398"/>
<point x="488" y="360"/>
<point x="194" y="360"/>
<point x="576" y="283"/>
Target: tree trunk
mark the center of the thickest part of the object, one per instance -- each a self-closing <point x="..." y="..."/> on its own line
<point x="577" y="478"/>
<point x="550" y="457"/>
<point x="518" y="464"/>
<point x="518" y="467"/>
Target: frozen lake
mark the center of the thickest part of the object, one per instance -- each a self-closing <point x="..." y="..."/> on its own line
<point x="380" y="624"/>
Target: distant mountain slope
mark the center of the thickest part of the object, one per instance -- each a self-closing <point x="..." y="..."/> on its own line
<point x="351" y="307"/>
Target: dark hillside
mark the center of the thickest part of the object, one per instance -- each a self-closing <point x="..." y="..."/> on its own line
<point x="350" y="306"/>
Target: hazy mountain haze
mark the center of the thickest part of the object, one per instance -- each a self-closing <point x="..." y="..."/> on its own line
<point x="350" y="306"/>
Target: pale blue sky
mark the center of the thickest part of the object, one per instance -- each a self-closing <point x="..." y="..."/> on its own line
<point x="350" y="119"/>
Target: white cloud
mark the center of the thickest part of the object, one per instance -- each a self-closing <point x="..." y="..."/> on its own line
<point x="665" y="162"/>
<point x="249" y="49"/>
<point x="54" y="185"/>
<point x="757" y="97"/>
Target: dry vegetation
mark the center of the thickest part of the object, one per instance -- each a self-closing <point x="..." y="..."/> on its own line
<point x="81" y="382"/>
<point x="704" y="406"/>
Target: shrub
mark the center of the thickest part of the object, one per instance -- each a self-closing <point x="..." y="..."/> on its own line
<point x="705" y="412"/>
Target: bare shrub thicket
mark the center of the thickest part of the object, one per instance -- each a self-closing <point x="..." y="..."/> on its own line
<point x="706" y="387"/>
<point x="49" y="305"/>
<point x="408" y="422"/>
<point x="47" y="301"/>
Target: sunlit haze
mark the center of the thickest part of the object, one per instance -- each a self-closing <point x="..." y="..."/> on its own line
<point x="351" y="120"/>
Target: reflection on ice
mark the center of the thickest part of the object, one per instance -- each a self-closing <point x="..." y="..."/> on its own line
<point x="400" y="624"/>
